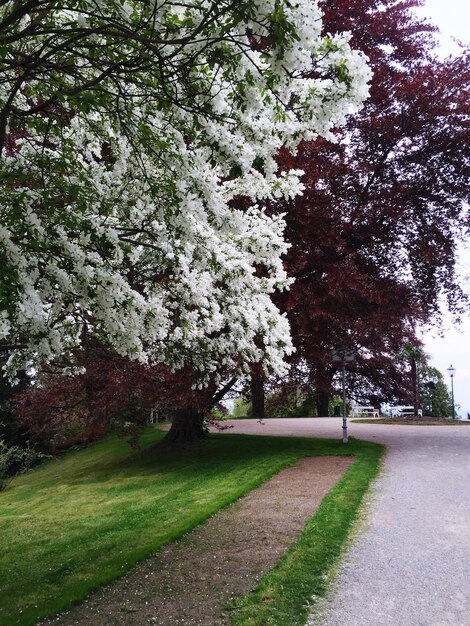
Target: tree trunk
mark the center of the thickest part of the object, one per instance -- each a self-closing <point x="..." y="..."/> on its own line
<point x="257" y="394"/>
<point x="89" y="349"/>
<point x="322" y="382"/>
<point x="187" y="425"/>
<point x="414" y="378"/>
<point x="322" y="400"/>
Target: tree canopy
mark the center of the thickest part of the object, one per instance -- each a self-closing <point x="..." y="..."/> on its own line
<point x="373" y="236"/>
<point x="127" y="128"/>
<point x="437" y="401"/>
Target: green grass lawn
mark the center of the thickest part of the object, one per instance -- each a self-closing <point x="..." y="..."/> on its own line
<point x="78" y="522"/>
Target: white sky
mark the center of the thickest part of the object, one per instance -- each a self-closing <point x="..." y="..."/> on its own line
<point x="452" y="17"/>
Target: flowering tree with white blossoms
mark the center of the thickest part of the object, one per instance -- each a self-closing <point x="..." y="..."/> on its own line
<point x="128" y="129"/>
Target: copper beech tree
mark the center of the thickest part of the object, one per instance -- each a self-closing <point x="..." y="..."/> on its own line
<point x="373" y="236"/>
<point x="112" y="392"/>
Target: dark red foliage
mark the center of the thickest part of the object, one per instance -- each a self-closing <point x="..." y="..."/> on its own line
<point x="373" y="236"/>
<point x="65" y="411"/>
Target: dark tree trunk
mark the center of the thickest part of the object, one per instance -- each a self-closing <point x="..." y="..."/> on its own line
<point x="414" y="378"/>
<point x="322" y="400"/>
<point x="89" y="383"/>
<point x="322" y="382"/>
<point x="257" y="394"/>
<point x="187" y="425"/>
<point x="219" y="395"/>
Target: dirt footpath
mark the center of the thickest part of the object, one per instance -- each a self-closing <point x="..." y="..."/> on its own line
<point x="191" y="580"/>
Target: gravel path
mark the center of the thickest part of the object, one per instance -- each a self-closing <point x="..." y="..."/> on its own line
<point x="410" y="564"/>
<point x="190" y="581"/>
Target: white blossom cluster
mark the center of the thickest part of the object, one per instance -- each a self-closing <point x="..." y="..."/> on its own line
<point x="132" y="201"/>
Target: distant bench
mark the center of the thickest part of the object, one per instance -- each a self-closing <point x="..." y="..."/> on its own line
<point x="405" y="411"/>
<point x="365" y="411"/>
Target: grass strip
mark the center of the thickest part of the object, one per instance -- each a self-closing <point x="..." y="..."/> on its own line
<point x="78" y="522"/>
<point x="395" y="422"/>
<point x="287" y="593"/>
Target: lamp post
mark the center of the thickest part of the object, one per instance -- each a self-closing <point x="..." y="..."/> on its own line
<point x="451" y="371"/>
<point x="343" y="356"/>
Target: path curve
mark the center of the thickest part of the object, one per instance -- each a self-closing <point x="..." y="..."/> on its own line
<point x="410" y="565"/>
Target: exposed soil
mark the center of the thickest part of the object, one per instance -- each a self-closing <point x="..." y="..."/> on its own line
<point x="192" y="580"/>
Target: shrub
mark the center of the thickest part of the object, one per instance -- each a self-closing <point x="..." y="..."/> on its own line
<point x="15" y="460"/>
<point x="289" y="401"/>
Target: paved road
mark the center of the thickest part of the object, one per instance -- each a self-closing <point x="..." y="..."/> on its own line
<point x="411" y="564"/>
